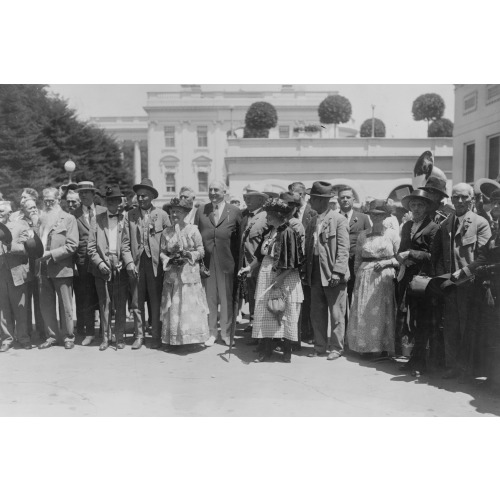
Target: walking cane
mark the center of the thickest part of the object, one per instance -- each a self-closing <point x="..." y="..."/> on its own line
<point x="241" y="292"/>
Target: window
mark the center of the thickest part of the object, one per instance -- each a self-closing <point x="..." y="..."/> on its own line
<point x="169" y="136"/>
<point x="470" y="102"/>
<point x="170" y="182"/>
<point x="470" y="152"/>
<point x="203" y="182"/>
<point x="493" y="156"/>
<point x="492" y="93"/>
<point x="284" y="131"/>
<point x="202" y="136"/>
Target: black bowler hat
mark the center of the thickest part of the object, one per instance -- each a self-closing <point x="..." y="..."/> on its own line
<point x="113" y="192"/>
<point x="5" y="234"/>
<point x="146" y="184"/>
<point x="34" y="247"/>
<point x="322" y="189"/>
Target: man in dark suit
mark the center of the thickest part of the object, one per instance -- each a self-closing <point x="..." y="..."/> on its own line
<point x="111" y="279"/>
<point x="253" y="226"/>
<point x="84" y="282"/>
<point x="455" y="246"/>
<point x="143" y="227"/>
<point x="357" y="222"/>
<point x="304" y="214"/>
<point x="220" y="226"/>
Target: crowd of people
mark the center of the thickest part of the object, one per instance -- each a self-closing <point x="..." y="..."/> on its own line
<point x="374" y="280"/>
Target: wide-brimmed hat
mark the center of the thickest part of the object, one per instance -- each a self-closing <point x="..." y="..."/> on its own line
<point x="113" y="192"/>
<point x="186" y="205"/>
<point x="322" y="189"/>
<point x="292" y="199"/>
<point x="5" y="234"/>
<point x="276" y="205"/>
<point x="436" y="183"/>
<point x="85" y="186"/>
<point x="486" y="187"/>
<point x="380" y="207"/>
<point x="419" y="194"/>
<point x="253" y="191"/>
<point x="34" y="247"/>
<point x="146" y="184"/>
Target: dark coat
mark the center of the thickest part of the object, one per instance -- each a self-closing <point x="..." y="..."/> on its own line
<point x="359" y="222"/>
<point x="81" y="255"/>
<point x="309" y="213"/>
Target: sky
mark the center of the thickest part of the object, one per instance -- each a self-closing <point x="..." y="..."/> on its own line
<point x="393" y="103"/>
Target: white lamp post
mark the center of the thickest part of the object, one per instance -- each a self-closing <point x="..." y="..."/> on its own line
<point x="70" y="166"/>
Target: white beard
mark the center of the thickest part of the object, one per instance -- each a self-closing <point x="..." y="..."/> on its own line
<point x="48" y="218"/>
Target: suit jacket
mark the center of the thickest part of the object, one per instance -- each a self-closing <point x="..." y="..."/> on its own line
<point x="62" y="242"/>
<point x="81" y="255"/>
<point x="133" y="236"/>
<point x="333" y="247"/>
<point x="474" y="234"/>
<point x="359" y="222"/>
<point x="98" y="245"/>
<point x="16" y="259"/>
<point x="309" y="213"/>
<point x="221" y="241"/>
<point x="252" y="230"/>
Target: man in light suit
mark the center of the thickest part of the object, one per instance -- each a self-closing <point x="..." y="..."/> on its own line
<point x="327" y="271"/>
<point x="357" y="222"/>
<point x="14" y="277"/>
<point x="219" y="224"/>
<point x="86" y="299"/>
<point x="304" y="214"/>
<point x="253" y="225"/>
<point x="455" y="246"/>
<point x="143" y="227"/>
<point x="59" y="235"/>
<point x="111" y="278"/>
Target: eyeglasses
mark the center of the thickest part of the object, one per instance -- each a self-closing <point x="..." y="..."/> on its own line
<point x="460" y="197"/>
<point x="49" y="202"/>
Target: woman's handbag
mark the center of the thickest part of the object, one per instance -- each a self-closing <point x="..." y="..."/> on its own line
<point x="418" y="285"/>
<point x="276" y="303"/>
<point x="204" y="272"/>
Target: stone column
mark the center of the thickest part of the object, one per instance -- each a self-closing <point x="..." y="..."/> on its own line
<point x="137" y="163"/>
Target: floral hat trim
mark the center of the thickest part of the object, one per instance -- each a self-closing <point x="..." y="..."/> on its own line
<point x="276" y="205"/>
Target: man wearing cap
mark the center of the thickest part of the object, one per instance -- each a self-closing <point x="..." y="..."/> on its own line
<point x="111" y="278"/>
<point x="84" y="282"/>
<point x="327" y="271"/>
<point x="357" y="222"/>
<point x="219" y="224"/>
<point x="455" y="246"/>
<point x="253" y="225"/>
<point x="143" y="227"/>
<point x="59" y="235"/>
<point x="483" y="189"/>
<point x="15" y="274"/>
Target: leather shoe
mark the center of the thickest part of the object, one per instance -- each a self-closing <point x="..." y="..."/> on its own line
<point x="4" y="347"/>
<point x="263" y="358"/>
<point x="316" y="354"/>
<point x="26" y="346"/>
<point x="156" y="344"/>
<point x="333" y="355"/>
<point x="137" y="343"/>
<point x="120" y="345"/>
<point x="210" y="342"/>
<point x="69" y="344"/>
<point x="45" y="345"/>
<point x="104" y="346"/>
<point x="87" y="340"/>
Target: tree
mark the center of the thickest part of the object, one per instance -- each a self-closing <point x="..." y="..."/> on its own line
<point x="39" y="133"/>
<point x="366" y="128"/>
<point x="440" y="128"/>
<point x="335" y="109"/>
<point x="260" y="117"/>
<point x="428" y="107"/>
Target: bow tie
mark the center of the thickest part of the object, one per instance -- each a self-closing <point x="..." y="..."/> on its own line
<point x="115" y="215"/>
<point x="248" y="214"/>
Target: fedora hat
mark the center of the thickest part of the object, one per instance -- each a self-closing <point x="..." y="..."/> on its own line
<point x="34" y="247"/>
<point x="495" y="196"/>
<point x="419" y="194"/>
<point x="252" y="191"/>
<point x="276" y="205"/>
<point x="184" y="204"/>
<point x="380" y="207"/>
<point x="85" y="186"/>
<point x="5" y="234"/>
<point x="292" y="199"/>
<point x="146" y="184"/>
<point x="486" y="187"/>
<point x="113" y="192"/>
<point x="322" y="189"/>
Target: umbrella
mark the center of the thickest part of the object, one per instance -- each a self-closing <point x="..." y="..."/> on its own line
<point x="241" y="293"/>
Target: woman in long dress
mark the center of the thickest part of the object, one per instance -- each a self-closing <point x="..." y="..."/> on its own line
<point x="372" y="319"/>
<point x="184" y="308"/>
<point x="278" y="294"/>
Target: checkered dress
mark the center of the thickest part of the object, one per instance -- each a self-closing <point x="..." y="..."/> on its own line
<point x="265" y="323"/>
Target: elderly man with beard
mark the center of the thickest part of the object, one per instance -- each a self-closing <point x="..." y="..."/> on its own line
<point x="59" y="235"/>
<point x="14" y="276"/>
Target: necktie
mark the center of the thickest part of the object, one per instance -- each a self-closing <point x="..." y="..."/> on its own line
<point x="346" y="216"/>
<point x="91" y="215"/>
<point x="250" y="215"/>
<point x="115" y="215"/>
<point x="216" y="214"/>
<point x="455" y="227"/>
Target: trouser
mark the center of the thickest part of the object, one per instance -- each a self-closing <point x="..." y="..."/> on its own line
<point x="13" y="306"/>
<point x="352" y="279"/>
<point x="219" y="288"/>
<point x="421" y="327"/>
<point x="305" y="326"/>
<point x="86" y="301"/>
<point x="147" y="282"/>
<point x="63" y="288"/>
<point x="251" y="286"/>
<point x="113" y="292"/>
<point x="33" y="305"/>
